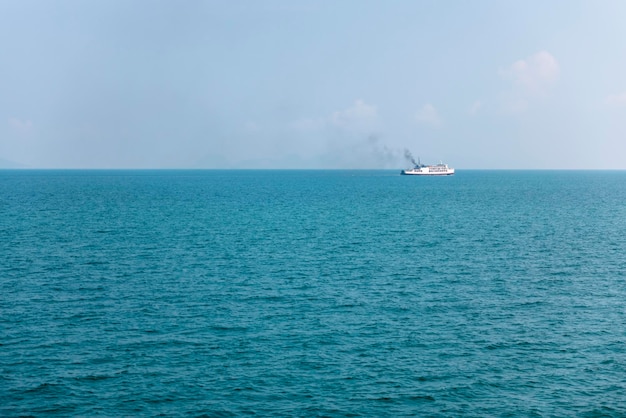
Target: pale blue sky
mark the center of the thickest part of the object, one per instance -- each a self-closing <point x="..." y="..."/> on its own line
<point x="312" y="84"/>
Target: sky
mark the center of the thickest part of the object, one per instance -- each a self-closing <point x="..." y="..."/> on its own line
<point x="312" y="84"/>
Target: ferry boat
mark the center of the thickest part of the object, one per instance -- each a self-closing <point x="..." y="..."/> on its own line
<point x="419" y="169"/>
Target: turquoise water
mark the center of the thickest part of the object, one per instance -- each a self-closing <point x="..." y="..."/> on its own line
<point x="312" y="293"/>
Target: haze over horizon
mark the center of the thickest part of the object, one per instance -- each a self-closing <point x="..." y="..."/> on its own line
<point x="312" y="84"/>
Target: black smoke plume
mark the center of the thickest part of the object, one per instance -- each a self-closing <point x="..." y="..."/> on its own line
<point x="409" y="156"/>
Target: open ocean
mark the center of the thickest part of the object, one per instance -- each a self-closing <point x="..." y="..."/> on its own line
<point x="312" y="293"/>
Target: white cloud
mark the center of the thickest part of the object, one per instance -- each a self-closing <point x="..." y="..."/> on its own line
<point x="20" y="126"/>
<point x="428" y="115"/>
<point x="475" y="107"/>
<point x="616" y="99"/>
<point x="535" y="74"/>
<point x="360" y="118"/>
<point x="531" y="80"/>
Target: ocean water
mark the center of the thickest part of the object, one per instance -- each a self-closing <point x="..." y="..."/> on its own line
<point x="312" y="293"/>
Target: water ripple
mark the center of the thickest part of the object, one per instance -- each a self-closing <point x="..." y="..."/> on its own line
<point x="312" y="293"/>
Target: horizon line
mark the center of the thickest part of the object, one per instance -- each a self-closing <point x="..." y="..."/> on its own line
<point x="281" y="169"/>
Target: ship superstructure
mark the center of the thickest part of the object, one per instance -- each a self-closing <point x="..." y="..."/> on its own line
<point x="420" y="169"/>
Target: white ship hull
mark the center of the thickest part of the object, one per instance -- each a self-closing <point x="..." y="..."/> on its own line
<point x="429" y="170"/>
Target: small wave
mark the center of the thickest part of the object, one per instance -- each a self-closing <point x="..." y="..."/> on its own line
<point x="46" y="387"/>
<point x="422" y="398"/>
<point x="93" y="378"/>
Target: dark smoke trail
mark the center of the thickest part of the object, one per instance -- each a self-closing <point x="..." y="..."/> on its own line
<point x="409" y="156"/>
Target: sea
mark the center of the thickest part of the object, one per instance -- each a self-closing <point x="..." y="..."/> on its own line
<point x="312" y="293"/>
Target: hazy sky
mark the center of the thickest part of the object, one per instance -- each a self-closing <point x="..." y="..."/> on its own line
<point x="312" y="84"/>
